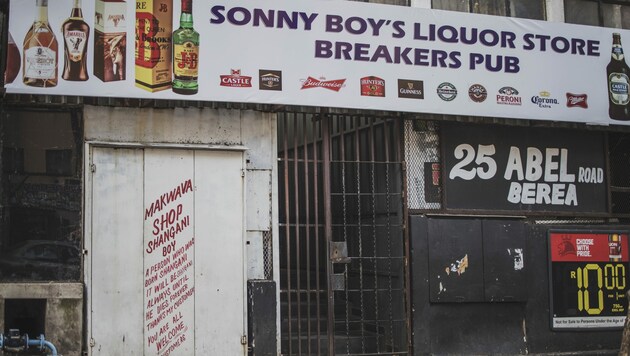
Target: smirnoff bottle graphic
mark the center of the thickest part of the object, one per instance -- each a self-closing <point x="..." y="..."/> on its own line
<point x="618" y="74"/>
<point x="75" y="34"/>
<point x="40" y="51"/>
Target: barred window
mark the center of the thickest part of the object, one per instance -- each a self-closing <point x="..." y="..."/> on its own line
<point x="529" y="9"/>
<point x="606" y="13"/>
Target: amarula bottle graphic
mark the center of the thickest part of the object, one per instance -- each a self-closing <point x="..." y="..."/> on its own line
<point x="40" y="51"/>
<point x="75" y="34"/>
<point x="617" y="72"/>
<point x="185" y="53"/>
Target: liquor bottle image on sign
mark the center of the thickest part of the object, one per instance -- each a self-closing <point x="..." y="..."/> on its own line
<point x="153" y="54"/>
<point x="40" y="51"/>
<point x="110" y="40"/>
<point x="618" y="74"/>
<point x="75" y="38"/>
<point x="13" y="61"/>
<point x="186" y="53"/>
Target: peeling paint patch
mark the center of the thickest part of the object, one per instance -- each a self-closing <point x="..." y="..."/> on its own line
<point x="458" y="266"/>
<point x="517" y="255"/>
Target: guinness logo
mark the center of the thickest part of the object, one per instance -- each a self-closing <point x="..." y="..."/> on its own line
<point x="270" y="80"/>
<point x="411" y="89"/>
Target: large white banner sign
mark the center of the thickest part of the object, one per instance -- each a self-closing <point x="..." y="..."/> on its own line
<point x="321" y="53"/>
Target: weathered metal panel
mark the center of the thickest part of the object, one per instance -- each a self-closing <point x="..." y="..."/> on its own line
<point x="504" y="261"/>
<point x="151" y="291"/>
<point x="258" y="135"/>
<point x="259" y="200"/>
<point x="255" y="258"/>
<point x="220" y="289"/>
<point x="262" y="322"/>
<point x="455" y="260"/>
<point x="115" y="256"/>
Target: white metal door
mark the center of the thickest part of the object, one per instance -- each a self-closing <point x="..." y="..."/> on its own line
<point x="165" y="267"/>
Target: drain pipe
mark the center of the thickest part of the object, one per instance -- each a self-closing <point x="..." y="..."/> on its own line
<point x="16" y="343"/>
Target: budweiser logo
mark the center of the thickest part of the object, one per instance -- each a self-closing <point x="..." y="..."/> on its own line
<point x="577" y="100"/>
<point x="236" y="80"/>
<point x="334" y="85"/>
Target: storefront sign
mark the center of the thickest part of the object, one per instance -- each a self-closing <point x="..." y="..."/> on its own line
<point x="588" y="279"/>
<point x="322" y="53"/>
<point x="511" y="168"/>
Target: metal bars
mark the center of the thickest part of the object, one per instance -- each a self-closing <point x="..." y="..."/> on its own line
<point x="343" y="280"/>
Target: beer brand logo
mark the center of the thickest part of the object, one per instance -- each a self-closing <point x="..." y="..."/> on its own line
<point x="334" y="85"/>
<point x="477" y="93"/>
<point x="544" y="100"/>
<point x="236" y="80"/>
<point x="270" y="80"/>
<point x="566" y="247"/>
<point x="577" y="101"/>
<point x="372" y="86"/>
<point x="447" y="91"/>
<point x="508" y="96"/>
<point x="411" y="89"/>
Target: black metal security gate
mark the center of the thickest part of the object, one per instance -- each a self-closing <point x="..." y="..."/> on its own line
<point x="344" y="279"/>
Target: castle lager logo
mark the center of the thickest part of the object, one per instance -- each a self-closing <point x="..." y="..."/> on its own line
<point x="236" y="80"/>
<point x="477" y="93"/>
<point x="577" y="101"/>
<point x="508" y="96"/>
<point x="447" y="91"/>
<point x="270" y="80"/>
<point x="334" y="85"/>
<point x="372" y="86"/>
<point x="412" y="89"/>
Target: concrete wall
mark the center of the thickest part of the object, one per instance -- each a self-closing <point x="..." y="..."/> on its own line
<point x="63" y="316"/>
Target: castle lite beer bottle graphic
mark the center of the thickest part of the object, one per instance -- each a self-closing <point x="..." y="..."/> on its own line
<point x="75" y="35"/>
<point x="618" y="82"/>
<point x="40" y="51"/>
<point x="185" y="53"/>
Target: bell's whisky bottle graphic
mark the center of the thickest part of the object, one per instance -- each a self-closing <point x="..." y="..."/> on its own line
<point x="40" y="51"/>
<point x="75" y="34"/>
<point x="186" y="53"/>
<point x="617" y="72"/>
<point x="153" y="54"/>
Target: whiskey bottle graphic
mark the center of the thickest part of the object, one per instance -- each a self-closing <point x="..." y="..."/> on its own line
<point x="186" y="53"/>
<point x="75" y="38"/>
<point x="40" y="51"/>
<point x="13" y="61"/>
<point x="618" y="74"/>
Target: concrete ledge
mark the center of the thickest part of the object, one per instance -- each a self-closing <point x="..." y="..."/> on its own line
<point x="41" y="290"/>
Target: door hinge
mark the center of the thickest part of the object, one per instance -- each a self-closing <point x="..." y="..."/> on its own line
<point x="93" y="168"/>
<point x="92" y="342"/>
<point x="244" y="340"/>
<point x="84" y="251"/>
<point x="242" y="173"/>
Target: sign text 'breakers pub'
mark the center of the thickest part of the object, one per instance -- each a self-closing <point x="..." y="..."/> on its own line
<point x="321" y="53"/>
